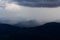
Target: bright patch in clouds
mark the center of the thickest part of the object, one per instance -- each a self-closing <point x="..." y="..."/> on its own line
<point x="0" y="0"/>
<point x="12" y="7"/>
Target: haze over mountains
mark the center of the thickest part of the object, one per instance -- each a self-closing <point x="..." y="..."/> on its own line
<point x="24" y="22"/>
<point x="21" y="23"/>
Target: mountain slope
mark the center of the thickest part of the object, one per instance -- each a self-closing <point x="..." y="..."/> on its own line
<point x="49" y="31"/>
<point x="7" y="30"/>
<point x="27" y="24"/>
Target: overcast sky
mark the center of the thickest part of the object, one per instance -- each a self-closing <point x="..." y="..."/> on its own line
<point x="18" y="10"/>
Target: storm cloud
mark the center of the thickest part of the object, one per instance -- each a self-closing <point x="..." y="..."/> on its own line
<point x="38" y="3"/>
<point x="14" y="11"/>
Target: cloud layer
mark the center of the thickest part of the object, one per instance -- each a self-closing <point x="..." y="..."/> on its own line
<point x="13" y="11"/>
<point x="38" y="3"/>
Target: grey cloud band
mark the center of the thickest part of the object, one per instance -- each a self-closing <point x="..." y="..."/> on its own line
<point x="38" y="3"/>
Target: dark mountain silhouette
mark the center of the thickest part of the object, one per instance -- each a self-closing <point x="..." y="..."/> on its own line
<point x="49" y="31"/>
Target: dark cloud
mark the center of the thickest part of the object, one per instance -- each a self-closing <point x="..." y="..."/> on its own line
<point x="39" y="3"/>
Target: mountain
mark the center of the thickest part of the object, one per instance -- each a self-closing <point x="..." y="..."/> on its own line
<point x="29" y="23"/>
<point x="48" y="31"/>
<point x="7" y="30"/>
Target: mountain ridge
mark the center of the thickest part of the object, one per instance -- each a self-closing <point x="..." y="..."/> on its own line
<point x="47" y="31"/>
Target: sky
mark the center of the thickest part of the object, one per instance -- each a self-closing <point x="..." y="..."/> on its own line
<point x="23" y="10"/>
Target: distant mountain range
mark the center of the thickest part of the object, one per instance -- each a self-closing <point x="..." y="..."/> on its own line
<point x="48" y="31"/>
<point x="23" y="23"/>
<point x="27" y="24"/>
